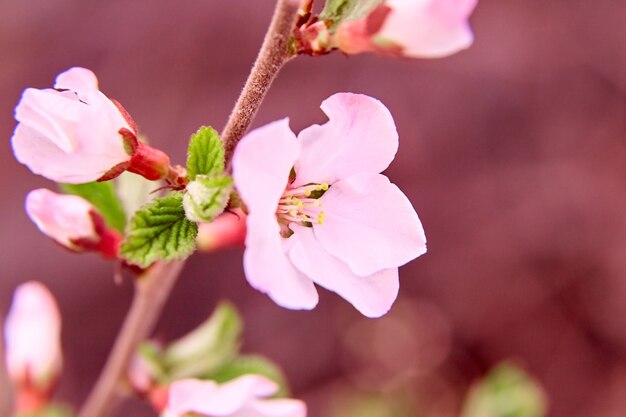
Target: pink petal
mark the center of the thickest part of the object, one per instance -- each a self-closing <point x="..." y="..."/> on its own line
<point x="269" y="270"/>
<point x="208" y="398"/>
<point x="261" y="165"/>
<point x="51" y="114"/>
<point x="360" y="136"/>
<point x="62" y="217"/>
<point x="370" y="224"/>
<point x="428" y="28"/>
<point x="273" y="408"/>
<point x="66" y="140"/>
<point x="80" y="80"/>
<point x="372" y="295"/>
<point x="32" y="333"/>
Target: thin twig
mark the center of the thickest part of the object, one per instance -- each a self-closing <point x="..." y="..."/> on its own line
<point x="153" y="289"/>
<point x="273" y="55"/>
<point x="151" y="292"/>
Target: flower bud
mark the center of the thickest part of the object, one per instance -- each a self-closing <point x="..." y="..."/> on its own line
<point x="72" y="222"/>
<point x="410" y="28"/>
<point x="33" y="350"/>
<point x="75" y="134"/>
<point x="228" y="229"/>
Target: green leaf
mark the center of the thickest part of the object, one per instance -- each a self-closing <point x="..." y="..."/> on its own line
<point x="159" y="231"/>
<point x="206" y="197"/>
<point x="252" y="364"/>
<point x="205" y="154"/>
<point x="507" y="391"/>
<point x="103" y="197"/>
<point x="208" y="347"/>
<point x="339" y="10"/>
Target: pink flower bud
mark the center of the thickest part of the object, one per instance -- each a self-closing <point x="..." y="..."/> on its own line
<point x="72" y="222"/>
<point x="229" y="229"/>
<point x="410" y="28"/>
<point x="33" y="350"/>
<point x="75" y="134"/>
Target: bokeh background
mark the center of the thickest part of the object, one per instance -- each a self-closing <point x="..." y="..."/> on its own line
<point x="513" y="154"/>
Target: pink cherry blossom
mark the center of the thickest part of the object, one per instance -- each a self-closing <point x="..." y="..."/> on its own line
<point x="411" y="28"/>
<point x="242" y="397"/>
<point x="338" y="223"/>
<point x="32" y="334"/>
<point x="72" y="222"/>
<point x="75" y="134"/>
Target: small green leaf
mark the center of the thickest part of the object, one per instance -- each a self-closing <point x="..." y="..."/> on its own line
<point x="205" y="154"/>
<point x="159" y="231"/>
<point x="208" y="347"/>
<point x="339" y="10"/>
<point x="206" y="197"/>
<point x="252" y="364"/>
<point x="103" y="197"/>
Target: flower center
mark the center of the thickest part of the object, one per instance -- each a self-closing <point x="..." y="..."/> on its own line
<point x="302" y="206"/>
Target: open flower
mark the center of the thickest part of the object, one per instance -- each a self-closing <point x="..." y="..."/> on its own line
<point x="321" y="212"/>
<point x="241" y="397"/>
<point x="75" y="134"/>
<point x="72" y="222"/>
<point x="410" y="28"/>
<point x="32" y="334"/>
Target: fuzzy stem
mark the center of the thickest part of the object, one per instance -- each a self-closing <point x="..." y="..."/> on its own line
<point x="154" y="287"/>
<point x="274" y="53"/>
<point x="151" y="292"/>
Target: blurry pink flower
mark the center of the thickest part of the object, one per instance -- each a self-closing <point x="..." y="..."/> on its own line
<point x="337" y="222"/>
<point x="32" y="335"/>
<point x="241" y="397"/>
<point x="75" y="134"/>
<point x="72" y="221"/>
<point x="411" y="28"/>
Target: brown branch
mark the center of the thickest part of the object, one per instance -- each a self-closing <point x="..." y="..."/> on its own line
<point x="273" y="55"/>
<point x="151" y="292"/>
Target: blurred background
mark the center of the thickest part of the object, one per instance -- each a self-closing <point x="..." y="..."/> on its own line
<point x="513" y="154"/>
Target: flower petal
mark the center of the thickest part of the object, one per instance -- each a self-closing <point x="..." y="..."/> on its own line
<point x="269" y="270"/>
<point x="283" y="407"/>
<point x="80" y="80"/>
<point x="428" y="28"/>
<point x="62" y="217"/>
<point x="360" y="136"/>
<point x="261" y="165"/>
<point x="372" y="295"/>
<point x="370" y="224"/>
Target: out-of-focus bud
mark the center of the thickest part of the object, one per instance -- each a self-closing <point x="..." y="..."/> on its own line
<point x="33" y="350"/>
<point x="506" y="391"/>
<point x="75" y="134"/>
<point x="227" y="230"/>
<point x="410" y="28"/>
<point x="72" y="222"/>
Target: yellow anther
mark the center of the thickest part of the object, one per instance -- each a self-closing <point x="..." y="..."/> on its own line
<point x="320" y="218"/>
<point x="304" y="217"/>
<point x="307" y="193"/>
<point x="293" y="212"/>
<point x="325" y="187"/>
